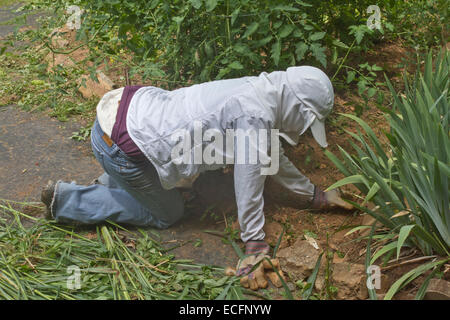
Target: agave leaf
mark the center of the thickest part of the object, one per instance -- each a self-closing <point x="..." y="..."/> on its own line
<point x="410" y="276"/>
<point x="356" y="229"/>
<point x="385" y="249"/>
<point x="338" y="163"/>
<point x="402" y="236"/>
<point x="372" y="192"/>
<point x="312" y="278"/>
<point x="370" y="133"/>
<point x="349" y="180"/>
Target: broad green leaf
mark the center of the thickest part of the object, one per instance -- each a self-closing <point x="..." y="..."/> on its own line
<point x="210" y="5"/>
<point x="359" y="32"/>
<point x="303" y="3"/>
<point x="286" y="30"/>
<point x="318" y="52"/>
<point x="242" y="48"/>
<point x="250" y="30"/>
<point x="371" y="92"/>
<point x="300" y="50"/>
<point x="264" y="41"/>
<point x="350" y="76"/>
<point x="389" y="26"/>
<point x="286" y="8"/>
<point x="222" y="73"/>
<point x="376" y="68"/>
<point x="298" y="33"/>
<point x="236" y="65"/>
<point x="317" y="36"/>
<point x="340" y="44"/>
<point x="276" y="52"/>
<point x="234" y="15"/>
<point x="196" y="3"/>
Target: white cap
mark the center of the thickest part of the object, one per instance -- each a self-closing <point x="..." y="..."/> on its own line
<point x="314" y="89"/>
<point x="318" y="132"/>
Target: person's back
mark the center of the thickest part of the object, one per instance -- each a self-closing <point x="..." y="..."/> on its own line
<point x="158" y="120"/>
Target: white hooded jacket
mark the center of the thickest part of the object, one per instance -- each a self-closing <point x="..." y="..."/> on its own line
<point x="290" y="101"/>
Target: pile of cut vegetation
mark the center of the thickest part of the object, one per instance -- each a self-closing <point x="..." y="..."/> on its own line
<point x="49" y="261"/>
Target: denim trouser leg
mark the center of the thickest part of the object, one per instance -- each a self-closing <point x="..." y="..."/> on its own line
<point x="129" y="192"/>
<point x="106" y="180"/>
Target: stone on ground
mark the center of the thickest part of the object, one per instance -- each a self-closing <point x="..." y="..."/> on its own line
<point x="348" y="278"/>
<point x="438" y="289"/>
<point x="298" y="260"/>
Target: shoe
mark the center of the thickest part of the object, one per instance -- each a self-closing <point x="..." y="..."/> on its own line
<point x="47" y="195"/>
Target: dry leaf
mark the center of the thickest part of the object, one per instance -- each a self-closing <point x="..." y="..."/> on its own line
<point x="312" y="242"/>
<point x="400" y="214"/>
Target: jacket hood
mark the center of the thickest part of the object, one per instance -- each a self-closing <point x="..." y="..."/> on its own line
<point x="295" y="98"/>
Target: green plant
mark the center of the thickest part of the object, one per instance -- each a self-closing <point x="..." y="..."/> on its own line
<point x="28" y="84"/>
<point x="364" y="74"/>
<point x="409" y="184"/>
<point x="365" y="78"/>
<point x="329" y="288"/>
<point x="306" y="289"/>
<point x="114" y="264"/>
<point x="190" y="41"/>
<point x="82" y="134"/>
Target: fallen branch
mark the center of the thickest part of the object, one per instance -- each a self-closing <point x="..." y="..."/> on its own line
<point x="408" y="262"/>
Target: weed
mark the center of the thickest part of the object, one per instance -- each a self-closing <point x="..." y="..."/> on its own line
<point x="82" y="134"/>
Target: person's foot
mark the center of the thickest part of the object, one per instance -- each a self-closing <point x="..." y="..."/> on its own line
<point x="47" y="195"/>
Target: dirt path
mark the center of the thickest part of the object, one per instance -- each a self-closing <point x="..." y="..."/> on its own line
<point x="8" y="15"/>
<point x="35" y="148"/>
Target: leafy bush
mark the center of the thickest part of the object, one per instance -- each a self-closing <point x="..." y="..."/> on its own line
<point x="201" y="40"/>
<point x="409" y="184"/>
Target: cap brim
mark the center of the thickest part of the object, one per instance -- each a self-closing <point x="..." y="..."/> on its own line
<point x="318" y="132"/>
<point x="291" y="137"/>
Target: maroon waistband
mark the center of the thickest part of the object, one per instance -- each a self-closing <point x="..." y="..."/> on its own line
<point x="120" y="133"/>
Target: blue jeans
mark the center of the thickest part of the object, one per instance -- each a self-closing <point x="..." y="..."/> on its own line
<point x="129" y="192"/>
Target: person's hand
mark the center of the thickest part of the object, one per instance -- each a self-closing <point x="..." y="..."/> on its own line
<point x="256" y="254"/>
<point x="329" y="200"/>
